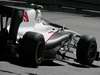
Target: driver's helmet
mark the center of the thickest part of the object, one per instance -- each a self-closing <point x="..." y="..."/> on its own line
<point x="38" y="15"/>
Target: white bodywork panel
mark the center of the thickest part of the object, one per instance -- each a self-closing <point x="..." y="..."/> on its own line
<point x="36" y="26"/>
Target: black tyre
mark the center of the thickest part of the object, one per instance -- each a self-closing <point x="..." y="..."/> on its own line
<point x="86" y="50"/>
<point x="3" y="44"/>
<point x="31" y="48"/>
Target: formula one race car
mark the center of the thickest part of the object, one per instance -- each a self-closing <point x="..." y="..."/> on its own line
<point x="26" y="36"/>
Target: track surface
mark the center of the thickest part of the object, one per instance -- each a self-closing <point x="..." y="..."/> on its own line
<point x="84" y="23"/>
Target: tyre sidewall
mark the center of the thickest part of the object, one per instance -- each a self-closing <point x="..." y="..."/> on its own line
<point x="83" y="49"/>
<point x="30" y="47"/>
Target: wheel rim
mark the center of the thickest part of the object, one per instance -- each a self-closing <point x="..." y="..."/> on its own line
<point x="91" y="52"/>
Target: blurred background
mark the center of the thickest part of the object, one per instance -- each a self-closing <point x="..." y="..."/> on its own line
<point x="79" y="4"/>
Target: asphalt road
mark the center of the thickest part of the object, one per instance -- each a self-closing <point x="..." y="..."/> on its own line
<point x="83" y="23"/>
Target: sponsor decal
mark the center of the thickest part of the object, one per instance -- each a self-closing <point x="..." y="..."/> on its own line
<point x="25" y="16"/>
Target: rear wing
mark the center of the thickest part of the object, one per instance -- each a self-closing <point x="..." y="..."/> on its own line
<point x="10" y="16"/>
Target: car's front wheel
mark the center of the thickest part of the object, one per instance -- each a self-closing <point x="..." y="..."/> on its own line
<point x="31" y="48"/>
<point x="86" y="50"/>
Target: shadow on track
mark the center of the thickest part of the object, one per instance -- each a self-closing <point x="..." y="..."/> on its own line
<point x="45" y="63"/>
<point x="22" y="64"/>
<point x="76" y="64"/>
<point x="50" y="63"/>
<point x="73" y="63"/>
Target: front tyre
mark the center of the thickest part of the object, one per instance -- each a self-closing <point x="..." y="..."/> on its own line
<point x="86" y="50"/>
<point x="32" y="47"/>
